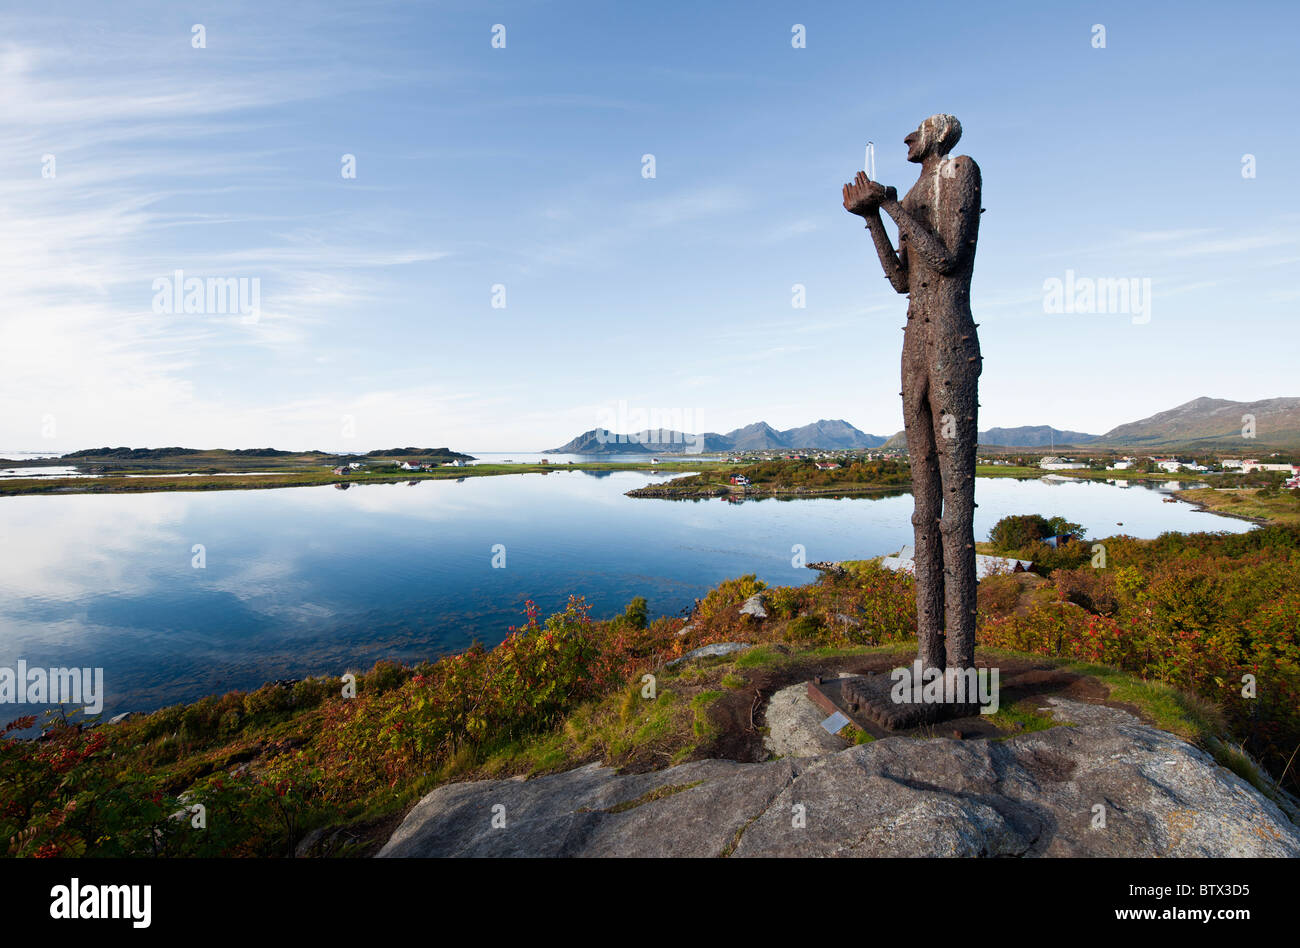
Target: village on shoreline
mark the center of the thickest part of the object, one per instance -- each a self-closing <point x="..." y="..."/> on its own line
<point x="1262" y="488"/>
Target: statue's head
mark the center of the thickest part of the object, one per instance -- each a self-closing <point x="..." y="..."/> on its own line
<point x="937" y="136"/>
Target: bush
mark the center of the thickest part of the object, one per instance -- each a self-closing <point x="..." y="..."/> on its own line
<point x="1093" y="589"/>
<point x="888" y="605"/>
<point x="636" y="614"/>
<point x="310" y="692"/>
<point x="1029" y="530"/>
<point x="385" y="676"/>
<point x="786" y="602"/>
<point x="269" y="699"/>
<point x="805" y="629"/>
<point x="998" y="593"/>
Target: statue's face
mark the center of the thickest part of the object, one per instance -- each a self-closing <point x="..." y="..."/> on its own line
<point x="916" y="145"/>
<point x="935" y="136"/>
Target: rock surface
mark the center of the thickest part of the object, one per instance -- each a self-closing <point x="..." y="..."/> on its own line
<point x="709" y="651"/>
<point x="795" y="726"/>
<point x="1030" y="795"/>
<point x="754" y="606"/>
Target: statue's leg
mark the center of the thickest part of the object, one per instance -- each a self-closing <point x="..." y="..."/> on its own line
<point x="955" y="412"/>
<point x="928" y="502"/>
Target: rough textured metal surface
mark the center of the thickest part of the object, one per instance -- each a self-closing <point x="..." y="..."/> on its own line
<point x="867" y="699"/>
<point x="938" y="225"/>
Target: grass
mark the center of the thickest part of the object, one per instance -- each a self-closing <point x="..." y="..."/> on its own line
<point x="1249" y="503"/>
<point x="624" y="729"/>
<point x="758" y="657"/>
<point x="1009" y="470"/>
<point x="854" y="734"/>
<point x="774" y="477"/>
<point x="702" y="726"/>
<point x="306" y="471"/>
<point x="1087" y="474"/>
<point x="1179" y="712"/>
<point x="1022" y="718"/>
<point x="620" y="729"/>
<point x="676" y="726"/>
<point x="769" y="656"/>
<point x="1170" y="709"/>
<point x="657" y="794"/>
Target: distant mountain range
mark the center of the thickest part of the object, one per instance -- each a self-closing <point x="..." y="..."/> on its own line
<point x="1025" y="436"/>
<point x="1207" y="424"/>
<point x="1214" y="423"/>
<point x="760" y="436"/>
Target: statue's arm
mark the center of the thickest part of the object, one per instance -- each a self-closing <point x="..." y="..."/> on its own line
<point x="894" y="269"/>
<point x="953" y="242"/>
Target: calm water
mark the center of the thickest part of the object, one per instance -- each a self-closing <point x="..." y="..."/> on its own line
<point x="313" y="580"/>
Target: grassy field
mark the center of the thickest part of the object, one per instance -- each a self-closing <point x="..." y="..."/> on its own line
<point x="998" y="470"/>
<point x="225" y="470"/>
<point x="1248" y="503"/>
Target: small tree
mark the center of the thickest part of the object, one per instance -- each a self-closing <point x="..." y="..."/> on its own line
<point x="1021" y="531"/>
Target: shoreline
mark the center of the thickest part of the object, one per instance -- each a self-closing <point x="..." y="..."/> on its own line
<point x="758" y="493"/>
<point x="1202" y="504"/>
<point x="193" y="481"/>
<point x="1206" y="508"/>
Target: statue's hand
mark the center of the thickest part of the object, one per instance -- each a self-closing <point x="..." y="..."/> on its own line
<point x="864" y="196"/>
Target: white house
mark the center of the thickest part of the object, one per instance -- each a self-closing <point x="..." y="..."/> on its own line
<point x="1173" y="465"/>
<point x="1120" y="466"/>
<point x="1059" y="464"/>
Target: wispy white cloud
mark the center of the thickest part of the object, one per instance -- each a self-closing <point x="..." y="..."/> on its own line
<point x="137" y="158"/>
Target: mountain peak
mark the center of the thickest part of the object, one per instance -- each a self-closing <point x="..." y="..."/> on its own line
<point x="821" y="435"/>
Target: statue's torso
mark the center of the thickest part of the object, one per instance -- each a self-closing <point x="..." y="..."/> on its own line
<point x="941" y="298"/>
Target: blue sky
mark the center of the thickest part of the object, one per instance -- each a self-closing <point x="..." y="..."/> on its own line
<point x="670" y="295"/>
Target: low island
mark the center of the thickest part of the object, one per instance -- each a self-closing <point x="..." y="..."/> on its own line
<point x="139" y="470"/>
<point x="798" y="477"/>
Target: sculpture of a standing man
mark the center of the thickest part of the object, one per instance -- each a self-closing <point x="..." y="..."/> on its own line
<point x="937" y="222"/>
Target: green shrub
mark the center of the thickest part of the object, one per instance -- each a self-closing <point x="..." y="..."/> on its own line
<point x="806" y="628"/>
<point x="1027" y="531"/>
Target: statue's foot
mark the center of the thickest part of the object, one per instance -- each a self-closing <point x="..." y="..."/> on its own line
<point x="876" y="697"/>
